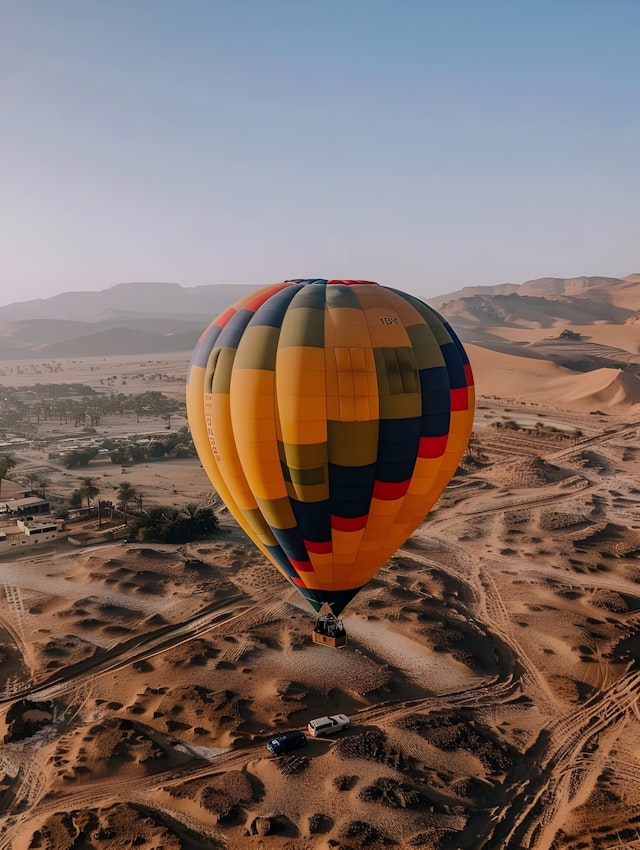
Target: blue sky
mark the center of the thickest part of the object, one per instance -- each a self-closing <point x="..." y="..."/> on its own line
<point x="427" y="145"/>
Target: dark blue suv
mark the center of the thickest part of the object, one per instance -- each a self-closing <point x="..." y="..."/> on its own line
<point x="287" y="741"/>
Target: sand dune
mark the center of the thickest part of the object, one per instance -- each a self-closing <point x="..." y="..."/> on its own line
<point x="526" y="379"/>
<point x="491" y="675"/>
<point x="605" y="387"/>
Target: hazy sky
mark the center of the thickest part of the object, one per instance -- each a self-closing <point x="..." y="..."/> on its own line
<point x="427" y="144"/>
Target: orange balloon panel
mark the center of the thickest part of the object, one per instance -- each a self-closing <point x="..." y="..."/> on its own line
<point x="329" y="415"/>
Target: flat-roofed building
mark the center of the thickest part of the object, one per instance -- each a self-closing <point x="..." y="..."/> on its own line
<point x="24" y="506"/>
<point x="23" y="533"/>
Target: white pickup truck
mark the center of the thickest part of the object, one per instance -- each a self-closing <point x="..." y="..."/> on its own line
<point x="328" y="725"/>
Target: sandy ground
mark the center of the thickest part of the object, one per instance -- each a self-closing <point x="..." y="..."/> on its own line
<point x="491" y="674"/>
<point x="125" y="374"/>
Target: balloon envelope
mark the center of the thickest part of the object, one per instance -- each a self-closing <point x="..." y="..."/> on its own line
<point x="329" y="415"/>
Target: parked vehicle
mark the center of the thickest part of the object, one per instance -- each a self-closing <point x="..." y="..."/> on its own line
<point x="287" y="741"/>
<point x="328" y="725"/>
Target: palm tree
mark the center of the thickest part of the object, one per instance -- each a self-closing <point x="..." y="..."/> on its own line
<point x="32" y="479"/>
<point x="7" y="462"/>
<point x="89" y="491"/>
<point x="126" y="493"/>
<point x="198" y="520"/>
<point x="43" y="483"/>
<point x="170" y="524"/>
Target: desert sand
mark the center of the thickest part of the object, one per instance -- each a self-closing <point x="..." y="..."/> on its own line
<point x="491" y="674"/>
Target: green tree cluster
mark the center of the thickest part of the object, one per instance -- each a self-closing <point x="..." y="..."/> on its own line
<point x="168" y="524"/>
<point x="77" y="403"/>
<point x="78" y="457"/>
<point x="175" y="445"/>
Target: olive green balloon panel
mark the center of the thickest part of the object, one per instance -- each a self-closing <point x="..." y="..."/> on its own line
<point x="329" y="415"/>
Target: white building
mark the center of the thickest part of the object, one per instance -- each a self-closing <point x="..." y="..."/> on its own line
<point x="24" y="533"/>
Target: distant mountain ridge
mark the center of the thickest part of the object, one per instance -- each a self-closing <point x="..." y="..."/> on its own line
<point x="149" y="318"/>
<point x="128" y="318"/>
<point x="548" y="287"/>
<point x="146" y="298"/>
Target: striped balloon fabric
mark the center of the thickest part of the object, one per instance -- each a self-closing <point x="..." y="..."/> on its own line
<point x="329" y="415"/>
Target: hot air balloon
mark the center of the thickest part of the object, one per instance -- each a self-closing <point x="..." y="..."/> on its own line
<point x="329" y="415"/>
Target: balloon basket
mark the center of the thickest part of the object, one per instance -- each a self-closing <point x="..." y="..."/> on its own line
<point x="329" y="631"/>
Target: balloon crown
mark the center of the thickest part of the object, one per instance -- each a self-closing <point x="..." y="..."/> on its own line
<point x="326" y="282"/>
